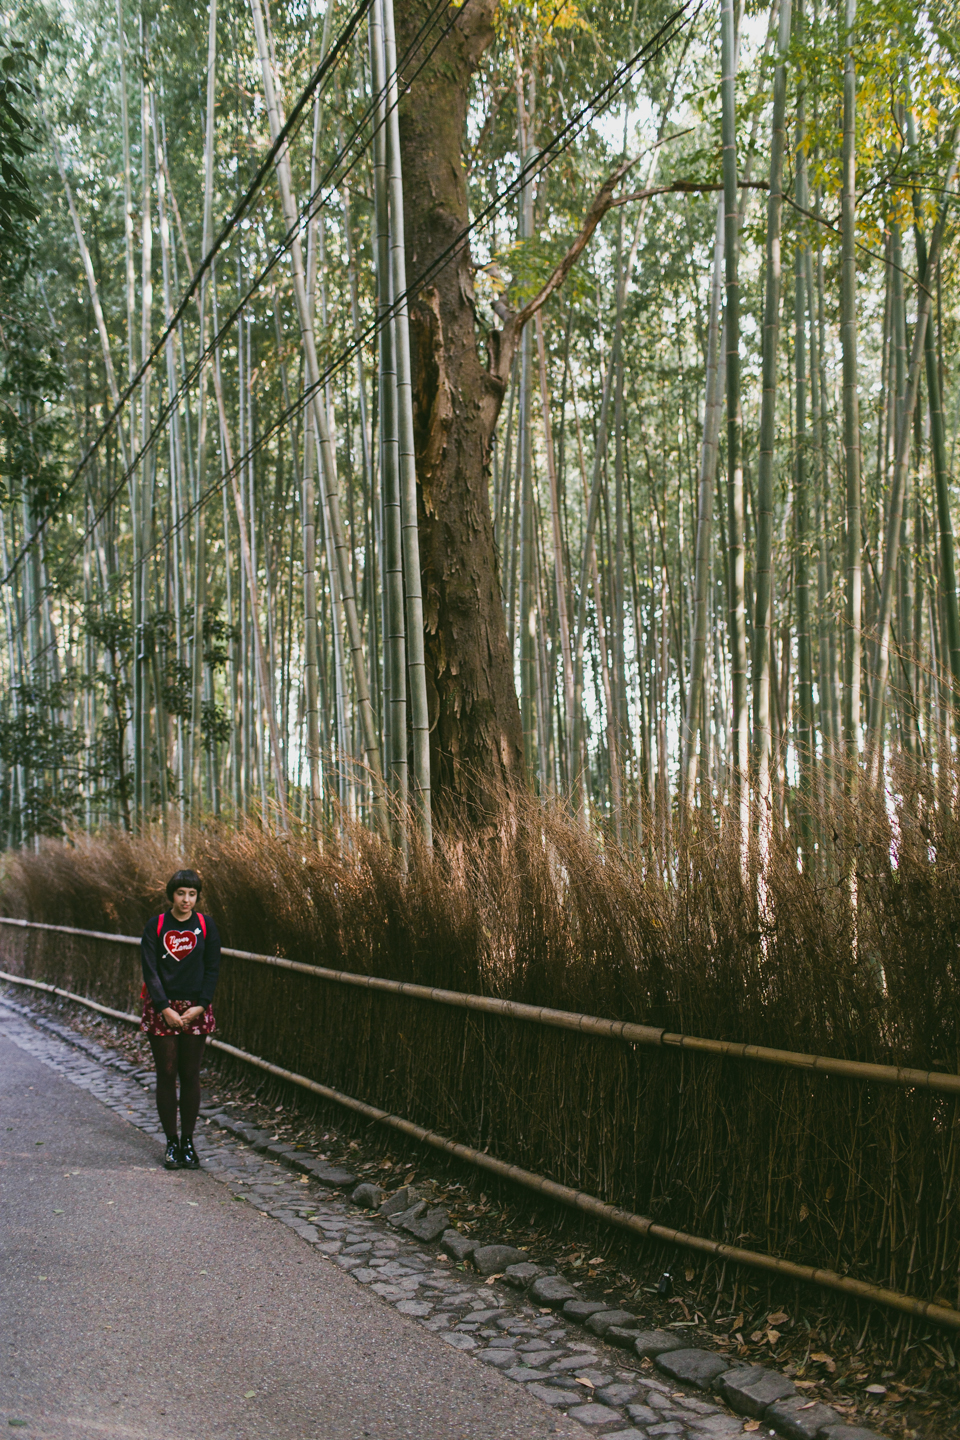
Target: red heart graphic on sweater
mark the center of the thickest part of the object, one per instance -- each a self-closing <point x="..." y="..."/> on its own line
<point x="179" y="943"/>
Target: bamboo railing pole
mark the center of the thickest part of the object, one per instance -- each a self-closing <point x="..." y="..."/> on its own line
<point x="564" y="1194"/>
<point x="632" y="1033"/>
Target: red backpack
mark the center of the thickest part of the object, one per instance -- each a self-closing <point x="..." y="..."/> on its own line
<point x="160" y="918"/>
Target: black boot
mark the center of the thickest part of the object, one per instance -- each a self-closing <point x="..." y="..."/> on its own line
<point x="189" y="1158"/>
<point x="171" y="1159"/>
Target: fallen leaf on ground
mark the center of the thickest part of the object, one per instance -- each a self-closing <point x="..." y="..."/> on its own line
<point x="823" y="1359"/>
<point x="582" y="1380"/>
<point x="752" y="1425"/>
<point x="490" y="1279"/>
<point x="780" y="1318"/>
<point x="249" y="1394"/>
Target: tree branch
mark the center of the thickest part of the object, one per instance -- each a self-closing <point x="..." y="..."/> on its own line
<point x="688" y="187"/>
<point x="503" y="342"/>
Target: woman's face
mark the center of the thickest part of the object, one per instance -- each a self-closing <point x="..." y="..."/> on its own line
<point x="184" y="900"/>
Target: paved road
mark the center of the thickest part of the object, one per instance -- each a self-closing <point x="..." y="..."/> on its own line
<point x="142" y="1304"/>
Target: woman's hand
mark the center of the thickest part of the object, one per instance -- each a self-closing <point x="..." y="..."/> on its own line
<point x="189" y="1017"/>
<point x="172" y="1019"/>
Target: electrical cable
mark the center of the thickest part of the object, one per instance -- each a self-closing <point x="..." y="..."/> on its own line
<point x="280" y="250"/>
<point x="563" y="139"/>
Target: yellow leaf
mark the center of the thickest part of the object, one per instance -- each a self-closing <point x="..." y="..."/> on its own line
<point x="780" y="1317"/>
<point x="773" y="1336"/>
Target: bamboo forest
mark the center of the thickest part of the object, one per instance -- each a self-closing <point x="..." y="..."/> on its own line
<point x="407" y="402"/>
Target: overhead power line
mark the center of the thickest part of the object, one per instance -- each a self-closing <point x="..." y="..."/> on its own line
<point x="281" y="249"/>
<point x="560" y="142"/>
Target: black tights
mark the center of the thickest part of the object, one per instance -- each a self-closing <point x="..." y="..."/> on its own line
<point x="176" y="1055"/>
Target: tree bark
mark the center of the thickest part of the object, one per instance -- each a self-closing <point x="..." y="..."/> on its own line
<point x="476" y="740"/>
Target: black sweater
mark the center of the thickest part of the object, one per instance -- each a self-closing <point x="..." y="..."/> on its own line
<point x="179" y="964"/>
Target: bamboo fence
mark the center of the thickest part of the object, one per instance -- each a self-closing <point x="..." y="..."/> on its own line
<point x="651" y="1131"/>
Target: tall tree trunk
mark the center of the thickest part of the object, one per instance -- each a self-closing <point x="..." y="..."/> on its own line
<point x="476" y="746"/>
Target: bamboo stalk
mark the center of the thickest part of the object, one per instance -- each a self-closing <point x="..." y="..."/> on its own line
<point x="768" y="435"/>
<point x="736" y="556"/>
<point x="898" y="489"/>
<point x="851" y="408"/>
<point x="416" y="663"/>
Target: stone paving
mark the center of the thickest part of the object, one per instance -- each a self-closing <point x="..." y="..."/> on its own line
<point x="611" y="1393"/>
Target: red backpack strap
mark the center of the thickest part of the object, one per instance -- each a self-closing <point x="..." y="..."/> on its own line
<point x="203" y="924"/>
<point x="159" y="924"/>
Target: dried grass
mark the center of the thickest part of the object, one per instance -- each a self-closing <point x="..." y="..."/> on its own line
<point x="823" y="1171"/>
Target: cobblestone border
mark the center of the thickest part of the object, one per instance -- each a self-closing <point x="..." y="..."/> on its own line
<point x="572" y="1355"/>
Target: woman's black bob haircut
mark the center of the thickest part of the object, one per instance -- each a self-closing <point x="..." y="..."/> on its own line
<point x="189" y="879"/>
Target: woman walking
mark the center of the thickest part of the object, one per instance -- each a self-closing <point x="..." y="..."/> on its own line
<point x="180" y="954"/>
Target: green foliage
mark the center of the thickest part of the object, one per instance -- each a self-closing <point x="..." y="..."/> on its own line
<point x="17" y="207"/>
<point x="30" y="429"/>
<point x="40" y="790"/>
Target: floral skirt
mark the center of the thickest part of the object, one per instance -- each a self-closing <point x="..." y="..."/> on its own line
<point x="153" y="1023"/>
